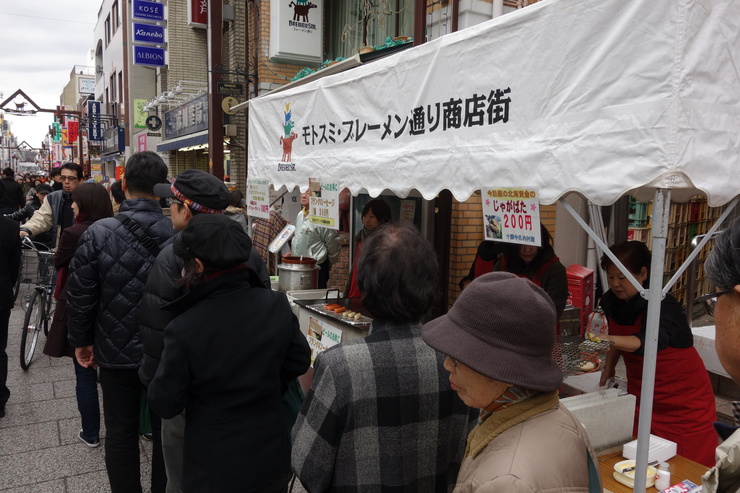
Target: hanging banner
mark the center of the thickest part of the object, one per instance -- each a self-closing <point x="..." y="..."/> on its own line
<point x="324" y="204"/>
<point x="94" y="127"/>
<point x="73" y="131"/>
<point x="511" y="215"/>
<point x="258" y="198"/>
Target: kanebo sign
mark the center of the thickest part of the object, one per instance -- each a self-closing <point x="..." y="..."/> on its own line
<point x="296" y="31"/>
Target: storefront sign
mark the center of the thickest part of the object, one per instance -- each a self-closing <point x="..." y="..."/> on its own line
<point x="258" y="198"/>
<point x="186" y="119"/>
<point x="296" y="31"/>
<point x="324" y="204"/>
<point x="94" y="128"/>
<point x="114" y="140"/>
<point x="198" y="13"/>
<point x="148" y="33"/>
<point x="86" y="85"/>
<point x="148" y="55"/>
<point x="511" y="215"/>
<point x="152" y="11"/>
<point x="230" y="88"/>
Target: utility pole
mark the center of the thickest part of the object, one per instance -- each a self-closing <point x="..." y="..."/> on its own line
<point x="215" y="112"/>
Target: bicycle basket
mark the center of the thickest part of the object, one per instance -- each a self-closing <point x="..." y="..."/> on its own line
<point x="38" y="267"/>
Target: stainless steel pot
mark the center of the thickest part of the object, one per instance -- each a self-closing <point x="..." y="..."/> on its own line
<point x="297" y="277"/>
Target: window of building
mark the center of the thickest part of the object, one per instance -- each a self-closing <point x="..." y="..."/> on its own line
<point x="107" y="31"/>
<point x="357" y="23"/>
<point x="116" y="17"/>
<point x="120" y="86"/>
<point x="112" y="86"/>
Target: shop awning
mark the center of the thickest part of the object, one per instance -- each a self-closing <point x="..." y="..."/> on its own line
<point x="598" y="97"/>
<point x="194" y="139"/>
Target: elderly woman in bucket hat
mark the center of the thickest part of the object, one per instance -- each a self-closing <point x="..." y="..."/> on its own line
<point x="498" y="338"/>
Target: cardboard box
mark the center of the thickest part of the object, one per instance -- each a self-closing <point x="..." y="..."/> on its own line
<point x="581" y="291"/>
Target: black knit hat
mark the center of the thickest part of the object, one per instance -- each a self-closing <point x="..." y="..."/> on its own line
<point x="502" y="326"/>
<point x="217" y="240"/>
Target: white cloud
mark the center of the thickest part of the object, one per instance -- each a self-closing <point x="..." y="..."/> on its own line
<point x="40" y="43"/>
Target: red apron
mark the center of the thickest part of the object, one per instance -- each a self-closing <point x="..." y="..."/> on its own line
<point x="683" y="401"/>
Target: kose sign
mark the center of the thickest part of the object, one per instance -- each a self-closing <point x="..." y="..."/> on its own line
<point x="153" y="11"/>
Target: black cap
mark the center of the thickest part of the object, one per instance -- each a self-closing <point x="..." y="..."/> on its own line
<point x="198" y="190"/>
<point x="43" y="188"/>
<point x="218" y="241"/>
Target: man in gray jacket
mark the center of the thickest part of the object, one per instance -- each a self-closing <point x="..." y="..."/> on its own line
<point x="107" y="277"/>
<point x="55" y="212"/>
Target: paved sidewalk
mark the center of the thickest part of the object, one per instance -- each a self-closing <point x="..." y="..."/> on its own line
<point x="39" y="448"/>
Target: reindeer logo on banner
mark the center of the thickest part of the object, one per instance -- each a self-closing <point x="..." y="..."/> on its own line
<point x="289" y="136"/>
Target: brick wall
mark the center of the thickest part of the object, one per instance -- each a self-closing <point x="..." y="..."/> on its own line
<point x="339" y="275"/>
<point x="467" y="233"/>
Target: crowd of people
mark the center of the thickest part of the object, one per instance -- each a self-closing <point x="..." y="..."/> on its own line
<point x="178" y="308"/>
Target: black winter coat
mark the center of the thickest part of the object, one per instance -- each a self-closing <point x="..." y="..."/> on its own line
<point x="104" y="289"/>
<point x="10" y="260"/>
<point x="227" y="359"/>
<point x="162" y="287"/>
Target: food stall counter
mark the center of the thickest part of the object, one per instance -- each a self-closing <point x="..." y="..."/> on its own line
<point x="681" y="468"/>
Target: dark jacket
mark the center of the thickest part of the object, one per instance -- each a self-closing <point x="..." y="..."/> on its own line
<point x="57" y="344"/>
<point x="104" y="289"/>
<point x="13" y="198"/>
<point x="162" y="287"/>
<point x="10" y="260"/>
<point x="227" y="358"/>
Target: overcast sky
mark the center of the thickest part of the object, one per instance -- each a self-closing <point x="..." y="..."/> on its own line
<point x="40" y="43"/>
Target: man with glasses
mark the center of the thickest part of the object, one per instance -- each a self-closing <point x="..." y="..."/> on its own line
<point x="56" y="213"/>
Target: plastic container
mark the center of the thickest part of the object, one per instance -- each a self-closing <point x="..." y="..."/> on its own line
<point x="663" y="476"/>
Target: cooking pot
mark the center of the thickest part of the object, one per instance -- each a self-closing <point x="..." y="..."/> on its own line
<point x="297" y="274"/>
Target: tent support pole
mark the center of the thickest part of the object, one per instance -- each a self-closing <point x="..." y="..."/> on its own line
<point x="605" y="249"/>
<point x="661" y="214"/>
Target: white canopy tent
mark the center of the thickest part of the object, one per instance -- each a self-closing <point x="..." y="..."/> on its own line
<point x="597" y="97"/>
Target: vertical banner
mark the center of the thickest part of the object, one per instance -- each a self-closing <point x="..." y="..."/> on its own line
<point x="73" y="131"/>
<point x="512" y="215"/>
<point x="141" y="142"/>
<point x="57" y="127"/>
<point x="198" y="13"/>
<point x="258" y="198"/>
<point x="324" y="204"/>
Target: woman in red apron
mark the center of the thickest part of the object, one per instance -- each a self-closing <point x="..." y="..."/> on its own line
<point x="539" y="265"/>
<point x="683" y="403"/>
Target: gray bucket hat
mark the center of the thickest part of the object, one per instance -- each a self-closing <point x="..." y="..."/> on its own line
<point x="502" y="326"/>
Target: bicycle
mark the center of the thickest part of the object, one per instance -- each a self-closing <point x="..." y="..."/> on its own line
<point x="38" y="264"/>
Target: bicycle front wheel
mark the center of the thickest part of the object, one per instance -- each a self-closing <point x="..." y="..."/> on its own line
<point x="32" y="325"/>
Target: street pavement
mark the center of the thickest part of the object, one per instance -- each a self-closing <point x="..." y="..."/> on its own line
<point x="39" y="448"/>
